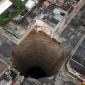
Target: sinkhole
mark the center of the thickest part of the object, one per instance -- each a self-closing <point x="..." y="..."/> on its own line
<point x="38" y="56"/>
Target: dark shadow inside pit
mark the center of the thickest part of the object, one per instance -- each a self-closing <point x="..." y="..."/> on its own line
<point x="38" y="56"/>
<point x="35" y="72"/>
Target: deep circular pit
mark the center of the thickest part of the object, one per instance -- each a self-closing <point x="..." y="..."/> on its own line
<point x="38" y="56"/>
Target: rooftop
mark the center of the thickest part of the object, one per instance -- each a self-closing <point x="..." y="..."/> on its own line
<point x="4" y="4"/>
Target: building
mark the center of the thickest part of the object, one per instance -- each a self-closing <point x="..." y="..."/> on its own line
<point x="56" y="17"/>
<point x="4" y="5"/>
<point x="30" y="4"/>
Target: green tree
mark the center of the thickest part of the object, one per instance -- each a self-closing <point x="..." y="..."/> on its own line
<point x="18" y="3"/>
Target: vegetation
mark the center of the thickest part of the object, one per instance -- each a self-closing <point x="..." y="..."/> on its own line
<point x="13" y="11"/>
<point x="18" y="4"/>
<point x="13" y="74"/>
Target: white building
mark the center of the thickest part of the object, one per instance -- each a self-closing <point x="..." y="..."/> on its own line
<point x="4" y="4"/>
<point x="30" y="4"/>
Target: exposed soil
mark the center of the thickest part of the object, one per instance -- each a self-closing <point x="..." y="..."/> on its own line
<point x="39" y="54"/>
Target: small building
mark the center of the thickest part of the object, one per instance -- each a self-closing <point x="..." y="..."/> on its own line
<point x="30" y="4"/>
<point x="4" y="5"/>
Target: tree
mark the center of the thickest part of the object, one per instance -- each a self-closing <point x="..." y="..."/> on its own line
<point x="18" y="3"/>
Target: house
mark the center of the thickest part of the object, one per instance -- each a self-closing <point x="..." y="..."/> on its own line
<point x="30" y="4"/>
<point x="4" y="5"/>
